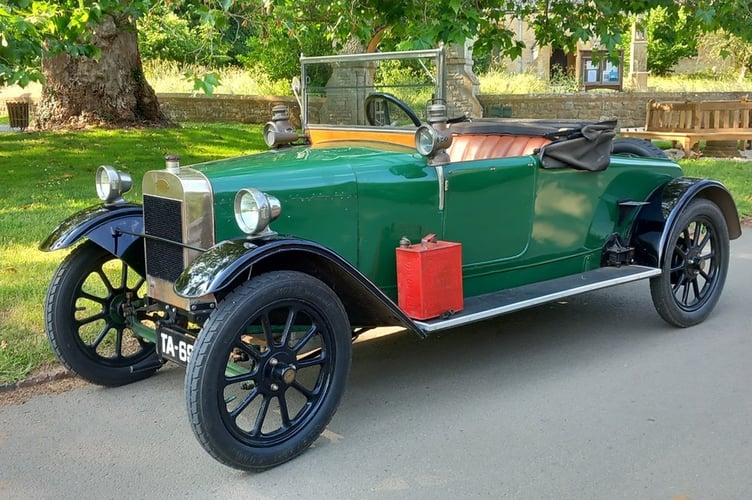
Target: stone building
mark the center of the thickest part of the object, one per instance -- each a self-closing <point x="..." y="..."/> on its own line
<point x="585" y="62"/>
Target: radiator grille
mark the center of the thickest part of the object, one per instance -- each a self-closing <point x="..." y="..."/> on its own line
<point x="163" y="218"/>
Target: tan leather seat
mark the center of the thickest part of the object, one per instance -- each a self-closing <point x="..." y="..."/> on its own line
<point x="467" y="147"/>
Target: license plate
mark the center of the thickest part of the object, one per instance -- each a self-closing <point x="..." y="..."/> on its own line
<point x="174" y="346"/>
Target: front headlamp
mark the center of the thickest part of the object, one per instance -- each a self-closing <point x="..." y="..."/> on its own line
<point x="429" y="140"/>
<point x="433" y="139"/>
<point x="426" y="140"/>
<point x="111" y="184"/>
<point x="254" y="210"/>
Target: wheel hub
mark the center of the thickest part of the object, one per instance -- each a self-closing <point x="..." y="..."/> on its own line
<point x="282" y="372"/>
<point x="695" y="264"/>
<point x="115" y="307"/>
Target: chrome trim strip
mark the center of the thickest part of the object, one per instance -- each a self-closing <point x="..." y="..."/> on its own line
<point x="439" y="79"/>
<point x="647" y="272"/>
<point x="442" y="185"/>
<point x="373" y="56"/>
<point x="440" y="74"/>
<point x="304" y="96"/>
<point x="362" y="128"/>
<point x="163" y="240"/>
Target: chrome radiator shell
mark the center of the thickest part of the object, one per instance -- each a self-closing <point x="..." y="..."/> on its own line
<point x="178" y="207"/>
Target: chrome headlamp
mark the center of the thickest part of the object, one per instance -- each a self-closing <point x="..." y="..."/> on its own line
<point x="433" y="139"/>
<point x="111" y="184"/>
<point x="254" y="210"/>
<point x="426" y="140"/>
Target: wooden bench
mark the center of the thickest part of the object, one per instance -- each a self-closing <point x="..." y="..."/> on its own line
<point x="689" y="122"/>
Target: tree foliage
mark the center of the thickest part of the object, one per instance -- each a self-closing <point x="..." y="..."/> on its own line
<point x="30" y="29"/>
<point x="671" y="37"/>
<point x="173" y="36"/>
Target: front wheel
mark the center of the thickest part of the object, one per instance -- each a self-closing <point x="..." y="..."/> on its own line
<point x="694" y="265"/>
<point x="268" y="370"/>
<point x="86" y="318"/>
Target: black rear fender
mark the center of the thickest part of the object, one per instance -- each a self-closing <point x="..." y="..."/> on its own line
<point x="230" y="263"/>
<point x="655" y="220"/>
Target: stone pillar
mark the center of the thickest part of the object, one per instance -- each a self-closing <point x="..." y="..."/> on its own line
<point x="721" y="149"/>
<point x="346" y="91"/>
<point x="542" y="62"/>
<point x="347" y="88"/>
<point x="638" y="57"/>
<point x="463" y="86"/>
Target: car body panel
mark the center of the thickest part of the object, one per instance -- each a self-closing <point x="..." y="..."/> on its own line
<point x="357" y="199"/>
<point x="553" y="222"/>
<point x="219" y="270"/>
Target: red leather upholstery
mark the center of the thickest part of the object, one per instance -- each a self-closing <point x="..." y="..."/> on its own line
<point x="467" y="147"/>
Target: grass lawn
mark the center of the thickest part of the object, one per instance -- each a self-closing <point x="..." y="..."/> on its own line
<point x="47" y="176"/>
<point x="735" y="174"/>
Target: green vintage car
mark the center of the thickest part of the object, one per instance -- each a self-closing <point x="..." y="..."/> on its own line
<point x="390" y="207"/>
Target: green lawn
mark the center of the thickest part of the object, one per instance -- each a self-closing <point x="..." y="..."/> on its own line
<point x="47" y="176"/>
<point x="735" y="174"/>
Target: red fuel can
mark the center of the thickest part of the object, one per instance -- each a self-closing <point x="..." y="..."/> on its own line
<point x="429" y="278"/>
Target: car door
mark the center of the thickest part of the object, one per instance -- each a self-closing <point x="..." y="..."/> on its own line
<point x="489" y="207"/>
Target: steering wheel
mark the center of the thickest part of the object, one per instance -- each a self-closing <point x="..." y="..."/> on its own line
<point x="371" y="108"/>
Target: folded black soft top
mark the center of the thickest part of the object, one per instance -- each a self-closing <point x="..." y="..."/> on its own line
<point x="552" y="129"/>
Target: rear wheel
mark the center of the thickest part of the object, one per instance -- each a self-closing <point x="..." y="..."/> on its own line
<point x="694" y="265"/>
<point x="268" y="370"/>
<point x="85" y="313"/>
<point x="637" y="147"/>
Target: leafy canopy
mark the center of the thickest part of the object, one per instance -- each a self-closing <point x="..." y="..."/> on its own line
<point x="30" y="29"/>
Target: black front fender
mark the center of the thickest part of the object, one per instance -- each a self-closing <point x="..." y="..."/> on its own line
<point x="109" y="227"/>
<point x="655" y="220"/>
<point x="230" y="263"/>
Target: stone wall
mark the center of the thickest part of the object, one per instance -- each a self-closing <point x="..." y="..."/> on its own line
<point x="225" y="108"/>
<point x="627" y="107"/>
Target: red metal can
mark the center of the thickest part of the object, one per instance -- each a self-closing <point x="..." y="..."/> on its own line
<point x="429" y="278"/>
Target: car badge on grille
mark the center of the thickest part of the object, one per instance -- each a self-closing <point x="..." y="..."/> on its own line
<point x="162" y="186"/>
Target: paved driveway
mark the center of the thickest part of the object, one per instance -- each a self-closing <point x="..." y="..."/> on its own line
<point x="594" y="397"/>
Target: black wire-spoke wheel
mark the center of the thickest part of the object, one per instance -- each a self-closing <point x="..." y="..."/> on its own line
<point x="268" y="370"/>
<point x="86" y="306"/>
<point x="695" y="265"/>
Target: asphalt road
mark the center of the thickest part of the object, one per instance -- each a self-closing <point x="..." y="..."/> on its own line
<point x="594" y="397"/>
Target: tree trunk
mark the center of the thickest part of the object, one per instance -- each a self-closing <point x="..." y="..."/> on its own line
<point x="110" y="91"/>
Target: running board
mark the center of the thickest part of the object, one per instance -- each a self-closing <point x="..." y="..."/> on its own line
<point x="505" y="301"/>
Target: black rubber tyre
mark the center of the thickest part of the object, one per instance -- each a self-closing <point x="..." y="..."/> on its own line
<point x="268" y="370"/>
<point x="695" y="265"/>
<point x="85" y="321"/>
<point x="637" y="147"/>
